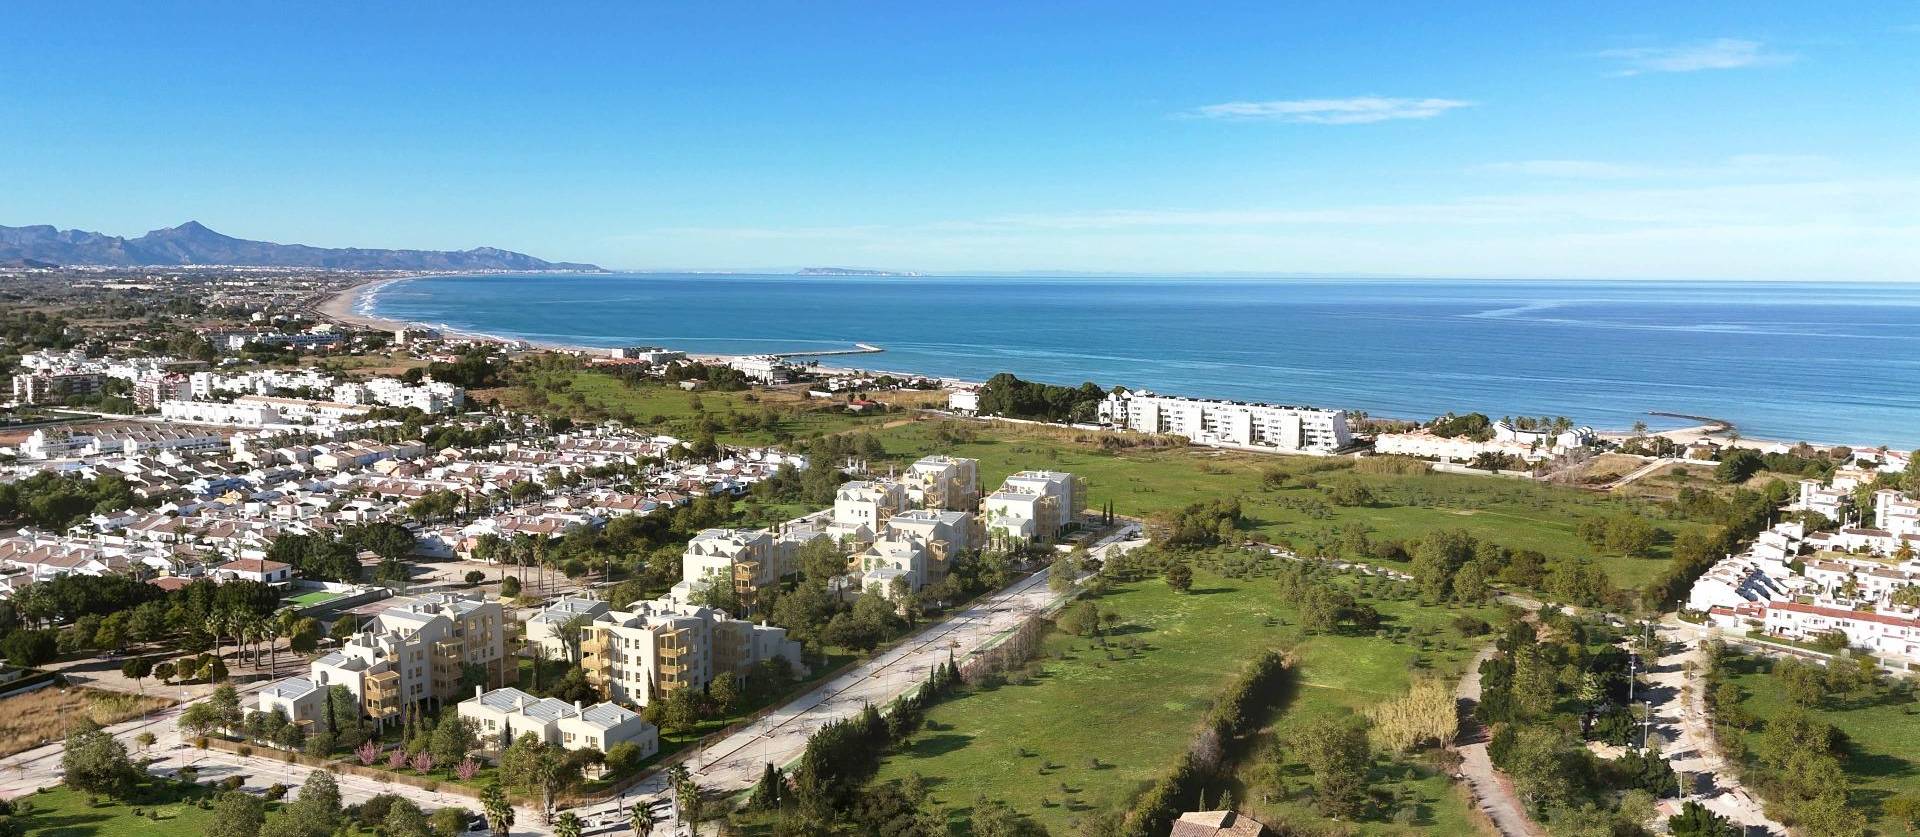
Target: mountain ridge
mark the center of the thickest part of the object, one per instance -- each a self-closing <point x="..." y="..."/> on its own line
<point x="193" y="243"/>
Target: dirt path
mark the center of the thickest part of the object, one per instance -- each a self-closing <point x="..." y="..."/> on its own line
<point x="1493" y="793"/>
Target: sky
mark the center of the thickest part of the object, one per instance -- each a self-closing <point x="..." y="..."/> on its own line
<point x="1752" y="140"/>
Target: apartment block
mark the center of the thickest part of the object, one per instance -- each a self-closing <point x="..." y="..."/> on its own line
<point x="640" y="655"/>
<point x="1234" y="424"/>
<point x="1030" y="506"/>
<point x="407" y="655"/>
<point x="944" y="482"/>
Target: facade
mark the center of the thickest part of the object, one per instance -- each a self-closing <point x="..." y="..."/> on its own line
<point x="861" y="508"/>
<point x="744" y="558"/>
<point x="946" y="535"/>
<point x="215" y="412"/>
<point x="763" y="369"/>
<point x="254" y="569"/>
<point x="153" y="390"/>
<point x="501" y="715"/>
<point x="411" y="654"/>
<point x="1234" y="424"/>
<point x="1030" y="507"/>
<point x="543" y="628"/>
<point x="56" y="387"/>
<point x="965" y="402"/>
<point x="944" y="482"/>
<point x="640" y="655"/>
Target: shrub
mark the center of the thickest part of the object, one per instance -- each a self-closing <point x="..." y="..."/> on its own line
<point x="276" y="792"/>
<point x="233" y="783"/>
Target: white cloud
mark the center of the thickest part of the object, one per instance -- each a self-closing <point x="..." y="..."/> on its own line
<point x="1352" y="111"/>
<point x="1717" y="54"/>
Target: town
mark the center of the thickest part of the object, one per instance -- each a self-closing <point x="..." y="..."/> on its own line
<point x="428" y="583"/>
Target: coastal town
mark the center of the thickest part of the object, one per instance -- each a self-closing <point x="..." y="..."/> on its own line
<point x="265" y="545"/>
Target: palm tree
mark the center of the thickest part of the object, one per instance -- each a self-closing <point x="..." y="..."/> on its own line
<point x="284" y="623"/>
<point x="217" y="623"/>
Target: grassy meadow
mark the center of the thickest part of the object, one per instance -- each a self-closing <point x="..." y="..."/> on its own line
<point x="1088" y="727"/>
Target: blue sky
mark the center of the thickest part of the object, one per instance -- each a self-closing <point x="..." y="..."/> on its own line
<point x="1750" y="140"/>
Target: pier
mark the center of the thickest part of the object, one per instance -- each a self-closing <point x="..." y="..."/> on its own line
<point x="858" y="349"/>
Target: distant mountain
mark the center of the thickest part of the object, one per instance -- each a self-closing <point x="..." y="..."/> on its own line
<point x="848" y="271"/>
<point x="192" y="243"/>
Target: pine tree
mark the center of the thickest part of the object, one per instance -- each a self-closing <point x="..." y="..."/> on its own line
<point x="766" y="795"/>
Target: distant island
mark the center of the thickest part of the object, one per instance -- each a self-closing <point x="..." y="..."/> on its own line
<point x="192" y="243"/>
<point x="849" y="271"/>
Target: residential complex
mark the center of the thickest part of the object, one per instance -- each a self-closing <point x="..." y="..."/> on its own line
<point x="1230" y="424"/>
<point x="641" y="654"/>
<point x="426" y="650"/>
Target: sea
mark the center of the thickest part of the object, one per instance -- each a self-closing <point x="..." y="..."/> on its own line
<point x="1825" y="362"/>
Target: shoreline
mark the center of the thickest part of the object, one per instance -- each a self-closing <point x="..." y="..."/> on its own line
<point x="343" y="307"/>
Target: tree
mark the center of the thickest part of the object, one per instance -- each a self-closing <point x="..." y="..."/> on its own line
<point x="95" y="762"/>
<point x="236" y="814"/>
<point x="137" y="670"/>
<point x="724" y="691"/>
<point x="315" y="814"/>
<point x="1694" y="820"/>
<point x="568" y="825"/>
<point x="768" y="792"/>
<point x="405" y="819"/>
<point x="448" y="822"/>
<point x="993" y="818"/>
<point x="493" y="800"/>
<point x="452" y="738"/>
<point x="1179" y="576"/>
<point x="1335" y="752"/>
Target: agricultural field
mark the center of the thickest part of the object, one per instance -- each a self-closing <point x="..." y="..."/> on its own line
<point x="1141" y="481"/>
<point x="1088" y="727"/>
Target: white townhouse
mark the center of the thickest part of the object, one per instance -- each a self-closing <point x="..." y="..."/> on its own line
<point x="502" y="715"/>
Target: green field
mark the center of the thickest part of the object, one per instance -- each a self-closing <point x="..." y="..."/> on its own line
<point x="589" y="395"/>
<point x="1135" y="710"/>
<point x="63" y="812"/>
<point x="1514" y="513"/>
<point x="1882" y="750"/>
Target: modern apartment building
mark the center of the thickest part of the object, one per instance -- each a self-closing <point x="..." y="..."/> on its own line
<point x="946" y="534"/>
<point x="944" y="482"/>
<point x="56" y="387"/>
<point x="1030" y="506"/>
<point x="639" y="655"/>
<point x="407" y="655"/>
<point x="1234" y="424"/>
<point x="861" y="508"/>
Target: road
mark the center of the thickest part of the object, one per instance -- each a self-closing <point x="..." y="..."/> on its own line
<point x="736" y="762"/>
<point x="1680" y="716"/>
<point x="1492" y="791"/>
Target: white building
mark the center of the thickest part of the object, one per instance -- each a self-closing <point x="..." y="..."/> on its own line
<point x="861" y="508"/>
<point x="1232" y="424"/>
<point x="1816" y="497"/>
<point x="254" y="569"/>
<point x="1030" y="506"/>
<point x="214" y="412"/>
<point x="646" y="354"/>
<point x="543" y="628"/>
<point x="765" y="369"/>
<point x="966" y="402"/>
<point x="502" y="715"/>
<point x="944" y="482"/>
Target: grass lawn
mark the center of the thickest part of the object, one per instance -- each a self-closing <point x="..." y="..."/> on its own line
<point x="64" y="812"/>
<point x="1102" y="728"/>
<point x="1882" y="752"/>
<point x="1517" y="514"/>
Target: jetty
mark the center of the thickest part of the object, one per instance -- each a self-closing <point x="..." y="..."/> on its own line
<point x="859" y="349"/>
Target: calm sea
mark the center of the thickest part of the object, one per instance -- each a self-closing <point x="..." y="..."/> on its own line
<point x="1830" y="362"/>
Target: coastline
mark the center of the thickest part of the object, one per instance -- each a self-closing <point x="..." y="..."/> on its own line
<point x="345" y="306"/>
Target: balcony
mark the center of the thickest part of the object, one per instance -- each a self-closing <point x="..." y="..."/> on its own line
<point x="383" y="694"/>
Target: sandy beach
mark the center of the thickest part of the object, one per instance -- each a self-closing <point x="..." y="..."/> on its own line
<point x="341" y="306"/>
